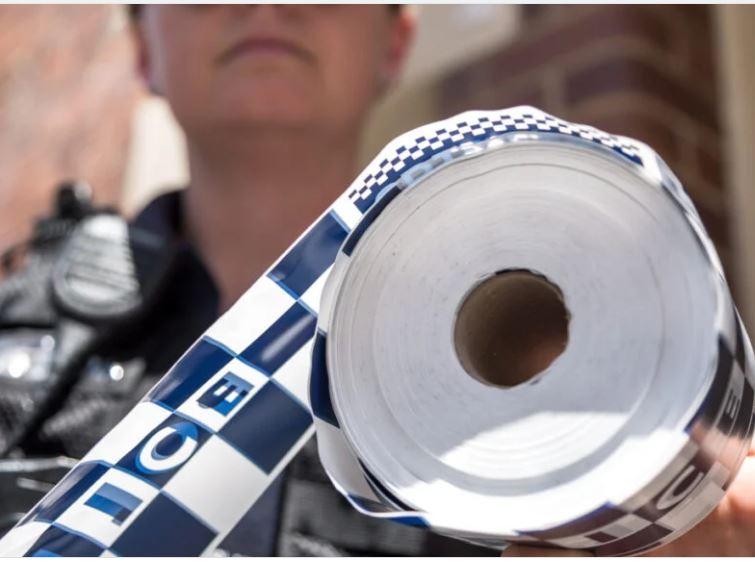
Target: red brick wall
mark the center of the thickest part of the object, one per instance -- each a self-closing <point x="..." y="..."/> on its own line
<point x="67" y="88"/>
<point x="643" y="71"/>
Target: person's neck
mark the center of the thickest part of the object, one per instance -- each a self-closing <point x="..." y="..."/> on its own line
<point x="249" y="200"/>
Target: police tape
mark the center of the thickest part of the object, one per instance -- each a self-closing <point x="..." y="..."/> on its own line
<point x="413" y="301"/>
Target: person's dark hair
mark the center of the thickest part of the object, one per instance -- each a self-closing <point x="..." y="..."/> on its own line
<point x="135" y="10"/>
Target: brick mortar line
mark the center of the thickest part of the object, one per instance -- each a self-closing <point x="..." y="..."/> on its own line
<point x="579" y="60"/>
<point x="630" y="48"/>
<point x="547" y="24"/>
<point x="705" y="193"/>
<point x="539" y="34"/>
<point x="652" y="107"/>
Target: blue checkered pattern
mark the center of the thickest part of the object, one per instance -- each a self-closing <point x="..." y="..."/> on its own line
<point x="177" y="474"/>
<point x="478" y="127"/>
<point x="209" y="437"/>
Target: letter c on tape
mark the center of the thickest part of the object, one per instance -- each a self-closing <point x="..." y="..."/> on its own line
<point x="153" y="462"/>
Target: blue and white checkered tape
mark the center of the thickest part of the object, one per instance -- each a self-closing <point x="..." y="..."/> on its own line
<point x="186" y="464"/>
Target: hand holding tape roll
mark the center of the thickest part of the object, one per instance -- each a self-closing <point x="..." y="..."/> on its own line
<point x="516" y="328"/>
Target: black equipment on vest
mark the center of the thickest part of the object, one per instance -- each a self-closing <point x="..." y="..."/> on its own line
<point x="84" y="276"/>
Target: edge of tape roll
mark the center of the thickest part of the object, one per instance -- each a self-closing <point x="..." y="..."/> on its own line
<point x="185" y="465"/>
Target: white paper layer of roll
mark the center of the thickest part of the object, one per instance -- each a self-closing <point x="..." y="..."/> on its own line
<point x="596" y="433"/>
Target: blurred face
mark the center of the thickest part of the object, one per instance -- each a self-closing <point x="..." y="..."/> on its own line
<point x="271" y="66"/>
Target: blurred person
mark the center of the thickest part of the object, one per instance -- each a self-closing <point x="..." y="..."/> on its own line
<point x="273" y="101"/>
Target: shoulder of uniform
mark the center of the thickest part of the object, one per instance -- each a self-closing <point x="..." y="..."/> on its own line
<point x="26" y="266"/>
<point x="71" y="203"/>
<point x="109" y="269"/>
<point x="83" y="262"/>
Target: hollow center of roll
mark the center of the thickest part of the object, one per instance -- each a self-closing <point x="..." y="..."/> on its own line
<point x="511" y="327"/>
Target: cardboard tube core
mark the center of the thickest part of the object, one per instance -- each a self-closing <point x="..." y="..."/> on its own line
<point x="511" y="327"/>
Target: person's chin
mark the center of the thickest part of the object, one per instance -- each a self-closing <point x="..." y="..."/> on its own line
<point x="285" y="103"/>
<point x="266" y="115"/>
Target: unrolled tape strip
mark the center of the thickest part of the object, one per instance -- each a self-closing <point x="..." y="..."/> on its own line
<point x="414" y="300"/>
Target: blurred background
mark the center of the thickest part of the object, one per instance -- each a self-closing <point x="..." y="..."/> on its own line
<point x="678" y="77"/>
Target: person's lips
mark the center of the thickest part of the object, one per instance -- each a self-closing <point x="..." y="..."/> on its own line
<point x="263" y="46"/>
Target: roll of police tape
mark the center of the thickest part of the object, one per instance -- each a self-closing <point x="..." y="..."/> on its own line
<point x="517" y="330"/>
